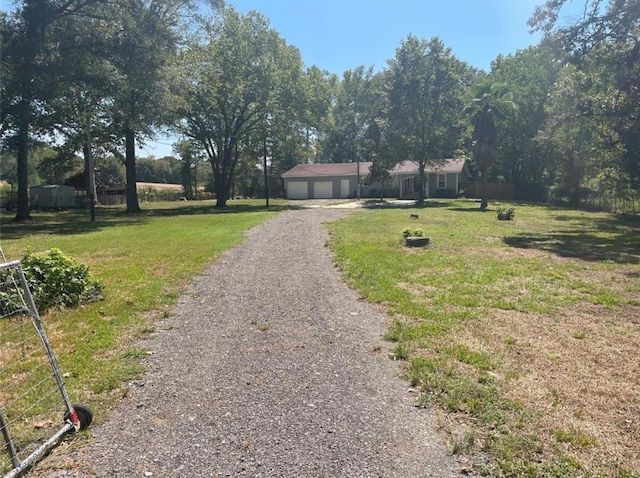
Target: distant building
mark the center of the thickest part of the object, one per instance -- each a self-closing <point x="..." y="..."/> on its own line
<point x="52" y="196"/>
<point x="340" y="180"/>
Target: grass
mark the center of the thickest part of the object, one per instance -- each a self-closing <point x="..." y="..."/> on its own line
<point x="144" y="262"/>
<point x="527" y="328"/>
<point x="524" y="333"/>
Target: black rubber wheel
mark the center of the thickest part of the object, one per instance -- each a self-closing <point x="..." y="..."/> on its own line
<point x="85" y="417"/>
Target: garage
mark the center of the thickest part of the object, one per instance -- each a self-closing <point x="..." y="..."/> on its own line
<point x="323" y="190"/>
<point x="297" y="190"/>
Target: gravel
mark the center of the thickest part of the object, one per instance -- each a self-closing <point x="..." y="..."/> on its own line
<point x="269" y="366"/>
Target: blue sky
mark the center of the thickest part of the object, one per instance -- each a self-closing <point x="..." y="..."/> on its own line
<point x="337" y="35"/>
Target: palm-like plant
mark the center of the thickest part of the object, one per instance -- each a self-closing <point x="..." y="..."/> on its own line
<point x="490" y="102"/>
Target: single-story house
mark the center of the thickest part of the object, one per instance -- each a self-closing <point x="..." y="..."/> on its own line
<point x="340" y="180"/>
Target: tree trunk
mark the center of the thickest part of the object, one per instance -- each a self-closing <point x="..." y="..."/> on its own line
<point x="22" y="213"/>
<point x="222" y="179"/>
<point x="266" y="172"/>
<point x="485" y="189"/>
<point x="421" y="183"/>
<point x="130" y="164"/>
<point x="221" y="196"/>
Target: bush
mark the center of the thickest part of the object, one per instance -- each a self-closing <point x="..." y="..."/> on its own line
<point x="506" y="214"/>
<point x="413" y="232"/>
<point x="58" y="281"/>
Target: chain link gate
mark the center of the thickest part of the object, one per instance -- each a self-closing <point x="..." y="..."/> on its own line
<point x="35" y="409"/>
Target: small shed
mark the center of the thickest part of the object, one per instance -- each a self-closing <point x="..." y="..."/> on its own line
<point x="53" y="196"/>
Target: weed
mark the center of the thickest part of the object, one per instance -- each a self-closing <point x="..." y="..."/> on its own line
<point x="135" y="353"/>
<point x="574" y="437"/>
<point x="463" y="442"/>
<point x="400" y="352"/>
<point x="506" y="213"/>
<point x="555" y="398"/>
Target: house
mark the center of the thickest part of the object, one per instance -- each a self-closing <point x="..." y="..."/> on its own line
<point x="443" y="180"/>
<point x="325" y="180"/>
<point x="340" y="180"/>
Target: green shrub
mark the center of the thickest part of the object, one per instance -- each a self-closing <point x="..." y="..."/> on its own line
<point x="58" y="281"/>
<point x="413" y="232"/>
<point x="506" y="213"/>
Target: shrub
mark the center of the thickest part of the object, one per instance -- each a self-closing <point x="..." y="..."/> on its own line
<point x="413" y="232"/>
<point x="506" y="213"/>
<point x="58" y="281"/>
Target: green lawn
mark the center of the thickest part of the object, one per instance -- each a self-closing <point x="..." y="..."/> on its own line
<point x="523" y="332"/>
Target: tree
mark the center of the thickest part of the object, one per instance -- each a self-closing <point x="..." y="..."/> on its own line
<point x="353" y="111"/>
<point x="490" y="101"/>
<point x="530" y="75"/>
<point x="379" y="173"/>
<point x="234" y="79"/>
<point x="425" y="90"/>
<point x="143" y="38"/>
<point x="32" y="50"/>
<point x="605" y="44"/>
<point x="320" y="89"/>
<point x="191" y="158"/>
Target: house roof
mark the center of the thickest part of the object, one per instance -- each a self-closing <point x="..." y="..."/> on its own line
<point x="327" y="169"/>
<point x="350" y="169"/>
<point x="447" y="166"/>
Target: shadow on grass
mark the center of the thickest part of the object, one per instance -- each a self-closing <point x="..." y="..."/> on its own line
<point x="377" y="204"/>
<point x="63" y="226"/>
<point x="472" y="209"/>
<point x="77" y="221"/>
<point x="208" y="209"/>
<point x="621" y="245"/>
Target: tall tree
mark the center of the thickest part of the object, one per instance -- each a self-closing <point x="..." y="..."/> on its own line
<point x="319" y="92"/>
<point x="530" y="75"/>
<point x="425" y="100"/>
<point x="490" y="102"/>
<point x="605" y="35"/>
<point x="234" y="79"/>
<point x="351" y="114"/>
<point x="144" y="37"/>
<point x="30" y="49"/>
<point x="191" y="158"/>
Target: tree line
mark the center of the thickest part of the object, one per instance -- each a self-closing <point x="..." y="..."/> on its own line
<point x="95" y="79"/>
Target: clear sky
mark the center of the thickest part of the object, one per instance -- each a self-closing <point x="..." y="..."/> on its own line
<point x="337" y="35"/>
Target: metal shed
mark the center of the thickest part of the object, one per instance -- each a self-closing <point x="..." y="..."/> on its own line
<point x="53" y="196"/>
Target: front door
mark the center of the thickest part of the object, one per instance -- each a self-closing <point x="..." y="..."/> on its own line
<point x="344" y="188"/>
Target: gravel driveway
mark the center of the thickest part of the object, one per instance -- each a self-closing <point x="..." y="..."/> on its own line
<point x="269" y="366"/>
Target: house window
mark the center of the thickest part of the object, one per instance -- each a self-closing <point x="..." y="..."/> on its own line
<point x="442" y="181"/>
<point x="410" y="185"/>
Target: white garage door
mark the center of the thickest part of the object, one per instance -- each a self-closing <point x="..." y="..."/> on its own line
<point x="323" y="190"/>
<point x="297" y="190"/>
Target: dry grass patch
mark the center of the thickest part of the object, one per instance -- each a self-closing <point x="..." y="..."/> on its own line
<point x="577" y="371"/>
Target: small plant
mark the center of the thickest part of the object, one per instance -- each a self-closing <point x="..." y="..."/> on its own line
<point x="506" y="213"/>
<point x="58" y="281"/>
<point x="413" y="232"/>
<point x="463" y="442"/>
<point x="400" y="352"/>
